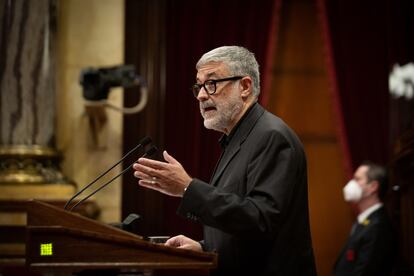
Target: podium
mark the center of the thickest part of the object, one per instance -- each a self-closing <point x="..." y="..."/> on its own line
<point x="62" y="242"/>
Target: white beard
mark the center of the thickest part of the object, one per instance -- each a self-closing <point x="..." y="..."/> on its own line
<point x="224" y="115"/>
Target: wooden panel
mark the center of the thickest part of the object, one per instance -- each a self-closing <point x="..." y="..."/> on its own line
<point x="401" y="201"/>
<point x="12" y="233"/>
<point x="301" y="97"/>
<point x="39" y="214"/>
<point x="13" y="215"/>
<point x="331" y="218"/>
<point x="303" y="101"/>
<point x="61" y="239"/>
<point x="145" y="48"/>
<point x="82" y="249"/>
<point x="300" y="38"/>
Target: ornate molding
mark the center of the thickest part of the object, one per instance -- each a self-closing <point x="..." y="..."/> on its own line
<point x="30" y="164"/>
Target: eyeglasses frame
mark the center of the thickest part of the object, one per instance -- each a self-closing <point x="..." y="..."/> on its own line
<point x="213" y="81"/>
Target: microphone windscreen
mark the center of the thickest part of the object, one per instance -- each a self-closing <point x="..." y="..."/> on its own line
<point x="146" y="140"/>
<point x="151" y="151"/>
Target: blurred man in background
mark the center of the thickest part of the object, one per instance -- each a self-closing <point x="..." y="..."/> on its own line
<point x="370" y="248"/>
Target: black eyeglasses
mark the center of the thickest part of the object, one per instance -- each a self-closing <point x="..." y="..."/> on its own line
<point x="210" y="85"/>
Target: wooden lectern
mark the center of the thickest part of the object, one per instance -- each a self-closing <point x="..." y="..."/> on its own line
<point x="62" y="242"/>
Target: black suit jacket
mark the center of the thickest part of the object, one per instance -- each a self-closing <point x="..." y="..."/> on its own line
<point x="255" y="210"/>
<point x="370" y="249"/>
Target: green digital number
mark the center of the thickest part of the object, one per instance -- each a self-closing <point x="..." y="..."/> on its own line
<point x="46" y="249"/>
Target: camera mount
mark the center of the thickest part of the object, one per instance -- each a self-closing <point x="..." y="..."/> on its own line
<point x="97" y="82"/>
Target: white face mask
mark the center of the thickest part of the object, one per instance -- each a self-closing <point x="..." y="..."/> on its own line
<point x="352" y="191"/>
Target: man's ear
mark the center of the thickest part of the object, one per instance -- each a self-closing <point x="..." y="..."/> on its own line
<point x="246" y="84"/>
<point x="374" y="187"/>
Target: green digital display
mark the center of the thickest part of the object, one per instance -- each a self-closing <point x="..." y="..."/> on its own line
<point x="46" y="249"/>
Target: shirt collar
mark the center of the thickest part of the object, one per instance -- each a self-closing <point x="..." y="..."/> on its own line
<point x="225" y="139"/>
<point x="364" y="215"/>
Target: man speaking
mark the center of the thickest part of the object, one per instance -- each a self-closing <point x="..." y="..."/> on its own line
<point x="255" y="210"/>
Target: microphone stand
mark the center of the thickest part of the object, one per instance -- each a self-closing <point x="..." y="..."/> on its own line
<point x="144" y="141"/>
<point x="150" y="152"/>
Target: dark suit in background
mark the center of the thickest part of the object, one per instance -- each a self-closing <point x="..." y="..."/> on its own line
<point x="370" y="249"/>
<point x="255" y="210"/>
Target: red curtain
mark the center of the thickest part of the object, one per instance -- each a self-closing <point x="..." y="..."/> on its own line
<point x="193" y="28"/>
<point x="362" y="42"/>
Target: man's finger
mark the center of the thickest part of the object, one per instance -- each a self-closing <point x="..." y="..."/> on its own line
<point x="141" y="175"/>
<point x="175" y="242"/>
<point x="150" y="185"/>
<point x="152" y="163"/>
<point x="169" y="158"/>
<point x="147" y="170"/>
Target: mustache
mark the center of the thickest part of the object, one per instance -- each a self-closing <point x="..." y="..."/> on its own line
<point x="204" y="105"/>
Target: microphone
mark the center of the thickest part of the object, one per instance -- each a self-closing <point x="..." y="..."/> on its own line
<point x="144" y="141"/>
<point x="149" y="152"/>
<point x="130" y="223"/>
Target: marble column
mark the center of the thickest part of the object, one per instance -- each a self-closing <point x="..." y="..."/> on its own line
<point x="29" y="163"/>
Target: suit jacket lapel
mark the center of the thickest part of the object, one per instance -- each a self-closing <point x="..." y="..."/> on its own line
<point x="241" y="134"/>
<point x="224" y="161"/>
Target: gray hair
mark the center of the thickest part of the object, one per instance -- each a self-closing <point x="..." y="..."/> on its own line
<point x="378" y="173"/>
<point x="240" y="61"/>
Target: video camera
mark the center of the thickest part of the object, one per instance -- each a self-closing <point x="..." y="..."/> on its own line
<point x="96" y="83"/>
